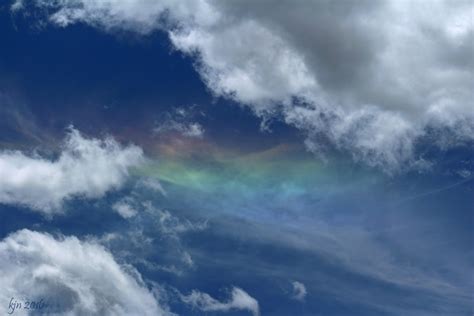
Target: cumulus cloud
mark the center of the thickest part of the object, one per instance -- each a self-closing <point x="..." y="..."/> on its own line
<point x="86" y="167"/>
<point x="371" y="78"/>
<point x="299" y="291"/>
<point x="73" y="277"/>
<point x="239" y="300"/>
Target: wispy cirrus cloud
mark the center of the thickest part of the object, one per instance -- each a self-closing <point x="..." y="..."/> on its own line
<point x="239" y="300"/>
<point x="149" y="231"/>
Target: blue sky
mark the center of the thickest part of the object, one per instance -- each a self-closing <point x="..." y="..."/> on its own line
<point x="240" y="158"/>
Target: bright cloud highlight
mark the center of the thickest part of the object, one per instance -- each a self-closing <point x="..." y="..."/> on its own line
<point x="86" y="167"/>
<point x="78" y="277"/>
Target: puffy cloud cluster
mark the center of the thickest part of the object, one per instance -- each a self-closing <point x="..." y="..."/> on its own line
<point x="72" y="277"/>
<point x="371" y="78"/>
<point x="86" y="167"/>
<point x="239" y="300"/>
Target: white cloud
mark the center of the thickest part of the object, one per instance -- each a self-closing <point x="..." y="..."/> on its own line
<point x="125" y="208"/>
<point x="194" y="130"/>
<point x="370" y="78"/>
<point x="464" y="173"/>
<point x="239" y="300"/>
<point x="299" y="291"/>
<point x="86" y="167"/>
<point x="152" y="184"/>
<point x="75" y="277"/>
<point x="152" y="231"/>
<point x="187" y="259"/>
<point x="180" y="121"/>
<point x="189" y="130"/>
<point x="169" y="224"/>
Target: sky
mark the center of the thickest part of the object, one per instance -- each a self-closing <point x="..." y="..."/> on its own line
<point x="204" y="157"/>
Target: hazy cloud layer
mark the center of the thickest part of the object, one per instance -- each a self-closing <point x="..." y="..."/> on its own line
<point x="74" y="277"/>
<point x="86" y="167"/>
<point x="367" y="77"/>
<point x="239" y="300"/>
